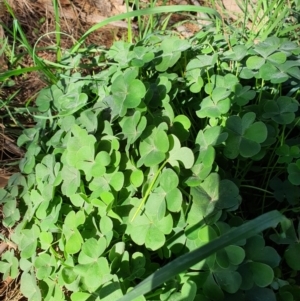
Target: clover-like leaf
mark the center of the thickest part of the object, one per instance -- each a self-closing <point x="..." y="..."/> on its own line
<point x="202" y="61"/>
<point x="257" y="251"/>
<point x="71" y="180"/>
<point x="180" y="127"/>
<point x="244" y="136"/>
<point x="255" y="62"/>
<point x="80" y="149"/>
<point x="133" y="127"/>
<point x="229" y="281"/>
<point x="188" y="291"/>
<point x="171" y="51"/>
<point x="263" y="274"/>
<point x="73" y="242"/>
<point x="195" y="80"/>
<point x="282" y="110"/>
<point x="212" y="290"/>
<point x="119" y="51"/>
<point x="153" y="147"/>
<point x="237" y="53"/>
<point x="232" y="255"/>
<point x="9" y="265"/>
<point x="285" y="190"/>
<point x="268" y="46"/>
<point x="210" y="195"/>
<point x="213" y="108"/>
<point x="44" y="265"/>
<point x="127" y="93"/>
<point x="28" y="241"/>
<point x="91" y="250"/>
<point x="169" y="182"/>
<point x="294" y="172"/>
<point x="29" y="287"/>
<point x="149" y="230"/>
<point x="291" y="256"/>
<point x="277" y="58"/>
<point x="94" y="274"/>
<point x="137" y="178"/>
<point x="243" y="94"/>
<point x="211" y="136"/>
<point x="11" y="213"/>
<point x="140" y="56"/>
<point x="180" y="154"/>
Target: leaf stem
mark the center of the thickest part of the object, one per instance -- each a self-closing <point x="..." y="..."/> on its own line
<point x="257" y="188"/>
<point x="149" y="190"/>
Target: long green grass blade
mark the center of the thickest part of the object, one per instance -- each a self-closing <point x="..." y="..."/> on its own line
<point x="182" y="263"/>
<point x="16" y="72"/>
<point x="57" y="30"/>
<point x="146" y="11"/>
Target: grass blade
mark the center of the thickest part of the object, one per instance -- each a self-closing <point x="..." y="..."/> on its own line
<point x="182" y="263"/>
<point x="146" y="11"/>
<point x="16" y="72"/>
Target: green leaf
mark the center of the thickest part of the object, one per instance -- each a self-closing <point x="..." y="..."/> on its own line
<point x="9" y="265"/>
<point x="153" y="147"/>
<point x="180" y="127"/>
<point x="174" y="200"/>
<point x="255" y="62"/>
<point x="294" y="172"/>
<point x="291" y="256"/>
<point x="180" y="154"/>
<point x="210" y="195"/>
<point x="195" y="80"/>
<point x="263" y="274"/>
<point x="74" y="242"/>
<point x="28" y="241"/>
<point x="237" y="53"/>
<point x="212" y="290"/>
<point x="137" y="178"/>
<point x="282" y="110"/>
<point x="80" y="296"/>
<point x="189" y="290"/>
<point x="229" y="281"/>
<point x="68" y="275"/>
<point x="29" y="287"/>
<point x="183" y="262"/>
<point x="244" y="136"/>
<point x="94" y="274"/>
<point x="168" y="180"/>
<point x="91" y="250"/>
<point x="211" y="136"/>
<point x="44" y="265"/>
<point x="213" y="108"/>
<point x="202" y="61"/>
<point x="133" y="127"/>
<point x="127" y="93"/>
<point x="277" y="58"/>
<point x="243" y="94"/>
<point x="106" y="225"/>
<point x="268" y="46"/>
<point x="11" y="213"/>
<point x="71" y="180"/>
<point x="171" y="51"/>
<point x="260" y="294"/>
<point x="236" y="254"/>
<point x="150" y="230"/>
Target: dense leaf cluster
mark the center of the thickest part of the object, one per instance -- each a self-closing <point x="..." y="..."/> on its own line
<point x="171" y="145"/>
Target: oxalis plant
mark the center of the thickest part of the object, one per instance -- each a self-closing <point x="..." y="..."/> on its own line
<point x="138" y="180"/>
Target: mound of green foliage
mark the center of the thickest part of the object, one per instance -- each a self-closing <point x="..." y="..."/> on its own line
<point x="172" y="144"/>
